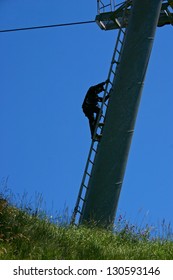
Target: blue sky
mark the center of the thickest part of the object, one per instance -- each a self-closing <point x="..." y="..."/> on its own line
<point x="45" y="137"/>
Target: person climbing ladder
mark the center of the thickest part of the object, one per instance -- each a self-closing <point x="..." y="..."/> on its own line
<point x="91" y="107"/>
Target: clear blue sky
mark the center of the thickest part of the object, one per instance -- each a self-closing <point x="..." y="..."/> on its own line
<point x="45" y="137"/>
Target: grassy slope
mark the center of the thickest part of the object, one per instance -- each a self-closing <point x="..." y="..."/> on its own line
<point x="24" y="236"/>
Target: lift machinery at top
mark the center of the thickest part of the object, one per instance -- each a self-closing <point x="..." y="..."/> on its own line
<point x="110" y="14"/>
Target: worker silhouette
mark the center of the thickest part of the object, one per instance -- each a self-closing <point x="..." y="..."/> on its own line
<point x="91" y="107"/>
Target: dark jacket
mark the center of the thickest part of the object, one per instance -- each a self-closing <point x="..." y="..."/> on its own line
<point x="92" y="98"/>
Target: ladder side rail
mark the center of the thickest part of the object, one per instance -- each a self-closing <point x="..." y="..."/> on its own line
<point x="112" y="62"/>
<point x="110" y="82"/>
<point x="101" y="112"/>
<point x="82" y="183"/>
<point x="105" y="92"/>
<point x="118" y="40"/>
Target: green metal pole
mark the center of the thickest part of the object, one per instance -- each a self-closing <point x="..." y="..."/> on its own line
<point x="110" y="162"/>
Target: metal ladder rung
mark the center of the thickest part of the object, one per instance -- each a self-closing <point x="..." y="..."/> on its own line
<point x="102" y="116"/>
<point x="118" y="51"/>
<point x="91" y="161"/>
<point x="104" y="104"/>
<point x="88" y="174"/>
<point x="121" y="29"/>
<point x="82" y="199"/>
<point x="78" y="211"/>
<point x="115" y="61"/>
<point x="84" y="186"/>
<point x="94" y="150"/>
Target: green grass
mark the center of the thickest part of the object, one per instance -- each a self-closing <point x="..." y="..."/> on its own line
<point x="34" y="237"/>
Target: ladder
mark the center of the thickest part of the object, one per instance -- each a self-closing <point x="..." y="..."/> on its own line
<point x="82" y="195"/>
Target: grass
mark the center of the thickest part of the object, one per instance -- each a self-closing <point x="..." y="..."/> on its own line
<point x="31" y="236"/>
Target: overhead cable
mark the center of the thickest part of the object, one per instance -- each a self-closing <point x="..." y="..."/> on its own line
<point x="46" y="26"/>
